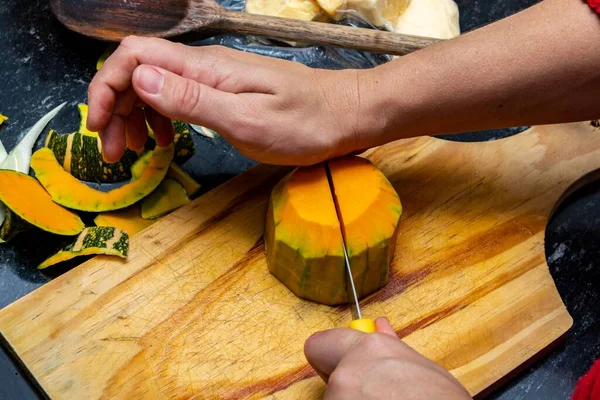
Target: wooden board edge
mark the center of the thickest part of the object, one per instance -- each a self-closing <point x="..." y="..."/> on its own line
<point x="538" y="356"/>
<point x="29" y="376"/>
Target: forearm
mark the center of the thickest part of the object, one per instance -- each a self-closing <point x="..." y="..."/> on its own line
<point x="537" y="67"/>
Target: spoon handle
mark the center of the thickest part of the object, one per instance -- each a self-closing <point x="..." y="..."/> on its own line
<point x="321" y="33"/>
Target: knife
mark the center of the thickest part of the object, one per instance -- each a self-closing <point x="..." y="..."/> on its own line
<point x="358" y="323"/>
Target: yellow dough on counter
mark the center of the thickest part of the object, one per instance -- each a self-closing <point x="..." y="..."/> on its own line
<point x="383" y="13"/>
<point x="306" y="10"/>
<point x="430" y="18"/>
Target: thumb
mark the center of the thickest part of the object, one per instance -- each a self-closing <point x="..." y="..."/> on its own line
<point x="324" y="350"/>
<point x="183" y="99"/>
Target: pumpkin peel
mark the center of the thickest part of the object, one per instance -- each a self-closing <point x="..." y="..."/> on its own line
<point x="128" y="219"/>
<point x="25" y="197"/>
<point x="93" y="241"/>
<point x="69" y="192"/>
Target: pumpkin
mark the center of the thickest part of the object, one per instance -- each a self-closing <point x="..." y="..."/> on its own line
<point x="25" y="197"/>
<point x="184" y="144"/>
<point x="167" y="197"/>
<point x="67" y="191"/>
<point x="303" y="236"/>
<point x="189" y="184"/>
<point x="128" y="219"/>
<point x="174" y="172"/>
<point x="12" y="226"/>
<point x="93" y="240"/>
<point x="81" y="156"/>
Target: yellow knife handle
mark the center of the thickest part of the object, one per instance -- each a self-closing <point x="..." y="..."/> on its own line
<point x="365" y="325"/>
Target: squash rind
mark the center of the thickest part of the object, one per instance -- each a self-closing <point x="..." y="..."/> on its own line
<point x="93" y="240"/>
<point x="32" y="198"/>
<point x="67" y="191"/>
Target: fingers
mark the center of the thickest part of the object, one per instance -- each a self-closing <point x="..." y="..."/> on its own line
<point x="136" y="129"/>
<point x="383" y="326"/>
<point x="184" y="99"/>
<point x="324" y="350"/>
<point x="113" y="139"/>
<point x="161" y="126"/>
<point x="115" y="75"/>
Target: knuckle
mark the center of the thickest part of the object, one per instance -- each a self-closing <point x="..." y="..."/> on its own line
<point x="188" y="97"/>
<point x="340" y="380"/>
<point x="373" y="343"/>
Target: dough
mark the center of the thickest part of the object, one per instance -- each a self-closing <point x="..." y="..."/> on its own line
<point x="306" y="10"/>
<point x="430" y="18"/>
<point x="382" y="13"/>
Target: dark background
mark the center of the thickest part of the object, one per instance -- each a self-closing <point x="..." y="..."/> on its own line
<point x="42" y="64"/>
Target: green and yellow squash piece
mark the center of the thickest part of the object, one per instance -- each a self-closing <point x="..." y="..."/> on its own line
<point x="81" y="156"/>
<point x="167" y="197"/>
<point x="3" y="118"/>
<point x="67" y="191"/>
<point x="12" y="226"/>
<point x="25" y="197"/>
<point x="303" y="236"/>
<point x="189" y="184"/>
<point x="174" y="172"/>
<point x="93" y="240"/>
<point x="184" y="144"/>
<point x="128" y="219"/>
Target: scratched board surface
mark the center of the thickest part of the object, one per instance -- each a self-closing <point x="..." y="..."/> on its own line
<point x="194" y="312"/>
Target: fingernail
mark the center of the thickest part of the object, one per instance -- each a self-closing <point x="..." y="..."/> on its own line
<point x="150" y="80"/>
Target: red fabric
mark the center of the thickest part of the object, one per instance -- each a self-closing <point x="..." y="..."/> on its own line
<point x="595" y="4"/>
<point x="588" y="387"/>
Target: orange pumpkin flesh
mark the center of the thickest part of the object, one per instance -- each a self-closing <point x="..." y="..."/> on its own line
<point x="27" y="198"/>
<point x="303" y="235"/>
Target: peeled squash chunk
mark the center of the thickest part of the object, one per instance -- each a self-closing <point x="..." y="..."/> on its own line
<point x="167" y="197"/>
<point x="26" y="198"/>
<point x="303" y="233"/>
<point x="72" y="193"/>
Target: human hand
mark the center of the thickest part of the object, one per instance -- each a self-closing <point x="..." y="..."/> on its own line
<point x="377" y="366"/>
<point x="271" y="110"/>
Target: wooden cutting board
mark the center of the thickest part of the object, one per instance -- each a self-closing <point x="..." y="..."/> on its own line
<point x="194" y="312"/>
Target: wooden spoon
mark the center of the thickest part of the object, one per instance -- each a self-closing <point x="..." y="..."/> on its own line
<point x="112" y="20"/>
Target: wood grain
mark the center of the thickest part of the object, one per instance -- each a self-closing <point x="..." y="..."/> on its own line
<point x="194" y="313"/>
<point x="113" y="20"/>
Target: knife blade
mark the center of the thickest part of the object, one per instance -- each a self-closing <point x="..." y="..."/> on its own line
<point x="358" y="322"/>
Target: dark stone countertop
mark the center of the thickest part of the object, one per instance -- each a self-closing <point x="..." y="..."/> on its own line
<point x="42" y="64"/>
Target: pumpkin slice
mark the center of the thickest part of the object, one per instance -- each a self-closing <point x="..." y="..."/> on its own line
<point x="167" y="197"/>
<point x="81" y="156"/>
<point x="66" y="190"/>
<point x="12" y="226"/>
<point x="95" y="240"/>
<point x="128" y="219"/>
<point x="174" y="172"/>
<point x="83" y="113"/>
<point x="25" y="197"/>
<point x="303" y="234"/>
<point x="184" y="144"/>
<point x="188" y="183"/>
